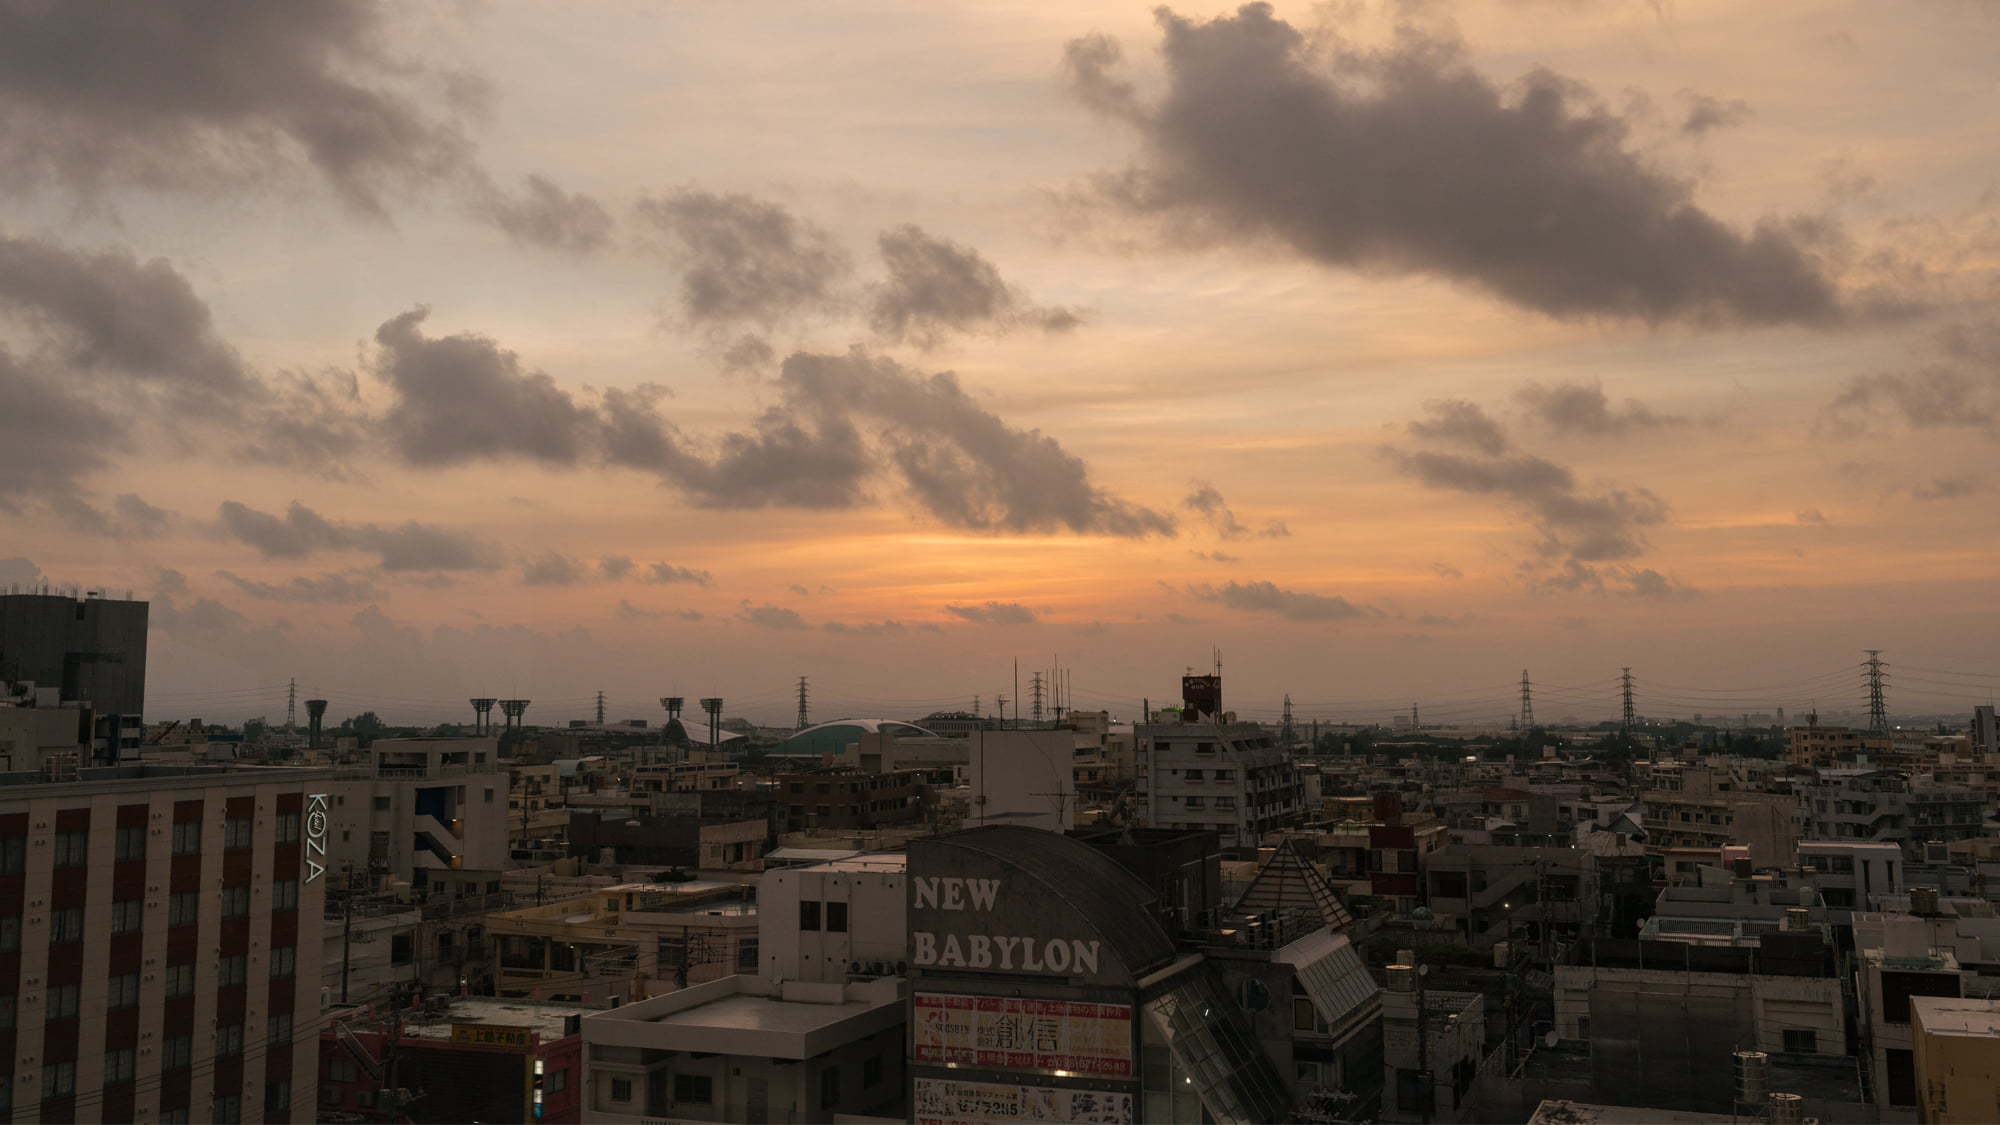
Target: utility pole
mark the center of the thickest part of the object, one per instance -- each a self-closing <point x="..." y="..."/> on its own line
<point x="1527" y="703"/>
<point x="805" y="713"/>
<point x="1878" y="707"/>
<point x="1017" y="691"/>
<point x="1036" y="710"/>
<point x="1625" y="691"/>
<point x="600" y="708"/>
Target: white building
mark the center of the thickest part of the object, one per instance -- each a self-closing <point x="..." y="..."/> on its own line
<point x="1024" y="777"/>
<point x="816" y="1032"/>
<point x="429" y="812"/>
<point x="1231" y="778"/>
<point x="1896" y="958"/>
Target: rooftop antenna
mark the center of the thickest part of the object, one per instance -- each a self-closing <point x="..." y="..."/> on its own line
<point x="1017" y="691"/>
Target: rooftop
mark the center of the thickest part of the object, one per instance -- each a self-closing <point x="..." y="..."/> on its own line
<point x="1953" y="1015"/>
<point x="542" y="1018"/>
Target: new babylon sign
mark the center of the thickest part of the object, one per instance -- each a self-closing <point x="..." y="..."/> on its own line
<point x="1059" y="956"/>
<point x="315" y="834"/>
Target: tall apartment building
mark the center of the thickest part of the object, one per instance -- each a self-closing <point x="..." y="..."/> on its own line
<point x="91" y="649"/>
<point x="430" y="812"/>
<point x="160" y="944"/>
<point x="1889" y="806"/>
<point x="1205" y="772"/>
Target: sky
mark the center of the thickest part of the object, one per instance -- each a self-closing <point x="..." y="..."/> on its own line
<point x="417" y="352"/>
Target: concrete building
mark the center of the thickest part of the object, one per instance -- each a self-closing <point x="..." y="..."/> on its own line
<point x="160" y="943"/>
<point x="1696" y="806"/>
<point x="624" y="942"/>
<point x="1890" y="806"/>
<point x="1025" y="777"/>
<point x="841" y="799"/>
<point x="801" y="1036"/>
<point x="1494" y="893"/>
<point x="92" y="649"/>
<point x="704" y="843"/>
<point x="1849" y="875"/>
<point x="458" y="1058"/>
<point x="1432" y="1041"/>
<point x="1957" y="1045"/>
<point x="428" y="812"/>
<point x="1895" y="960"/>
<point x="39" y="733"/>
<point x="1205" y="773"/>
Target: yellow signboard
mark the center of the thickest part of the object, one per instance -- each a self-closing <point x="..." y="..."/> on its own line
<point x="490" y="1035"/>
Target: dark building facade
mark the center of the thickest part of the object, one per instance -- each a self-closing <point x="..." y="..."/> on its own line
<point x="93" y="649"/>
<point x="846" y="799"/>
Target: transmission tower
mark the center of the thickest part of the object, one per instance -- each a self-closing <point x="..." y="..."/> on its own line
<point x="600" y="708"/>
<point x="805" y="713"/>
<point x="1625" y="690"/>
<point x="1527" y="702"/>
<point x="1286" y="734"/>
<point x="1035" y="708"/>
<point x="1416" y="723"/>
<point x="1878" y="706"/>
<point x="292" y="705"/>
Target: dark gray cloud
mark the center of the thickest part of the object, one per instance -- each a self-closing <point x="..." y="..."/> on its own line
<point x="1409" y="160"/>
<point x="336" y="587"/>
<point x="626" y="611"/>
<point x="96" y="95"/>
<point x="937" y="287"/>
<point x="544" y="215"/>
<point x="770" y="616"/>
<point x="20" y="572"/>
<point x="1216" y="556"/>
<point x="1938" y="397"/>
<point x="614" y="567"/>
<point x="301" y="532"/>
<point x="662" y="574"/>
<point x="1810" y="516"/>
<point x="1292" y="605"/>
<point x="1461" y="423"/>
<point x="748" y="353"/>
<point x="1949" y="488"/>
<point x="1582" y="410"/>
<point x="993" y="613"/>
<point x="746" y="260"/>
<point x="1706" y="112"/>
<point x="40" y="426"/>
<point x="463" y="398"/>
<point x="1446" y="570"/>
<point x="1578" y="528"/>
<point x="129" y="517"/>
<point x="553" y="569"/>
<point x="865" y="628"/>
<point x="1207" y="502"/>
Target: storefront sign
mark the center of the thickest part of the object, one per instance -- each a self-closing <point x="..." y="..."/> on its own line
<point x="489" y="1035"/>
<point x="315" y="834"/>
<point x="942" y="1101"/>
<point x="999" y="1031"/>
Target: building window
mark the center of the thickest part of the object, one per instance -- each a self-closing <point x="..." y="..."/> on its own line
<point x="1304" y="1017"/>
<point x="1225" y="775"/>
<point x="340" y="1070"/>
<point x="284" y="960"/>
<point x="621" y="1089"/>
<point x="187" y="837"/>
<point x="235" y="833"/>
<point x="1801" y="1041"/>
<point x="871" y="1072"/>
<point x="288" y="828"/>
<point x="285" y="894"/>
<point x="66" y="925"/>
<point x="123" y="991"/>
<point x="236" y="901"/>
<point x="72" y="849"/>
<point x="278" y="1029"/>
<point x="401" y="949"/>
<point x="183" y="908"/>
<point x="178" y="1053"/>
<point x="809" y="914"/>
<point x="836" y="917"/>
<point x="130" y="843"/>
<point x="176" y="1116"/>
<point x="120" y="1063"/>
<point x="127" y="914"/>
<point x="228" y="1110"/>
<point x="8" y="1004"/>
<point x="229" y="1041"/>
<point x="180" y="979"/>
<point x="381" y="804"/>
<point x="696" y="1088"/>
<point x="1192" y="775"/>
<point x="829" y="1087"/>
<point x="13" y="855"/>
<point x="489" y="795"/>
<point x="10" y="934"/>
<point x="58" y="1080"/>
<point x="746" y="955"/>
<point x="277" y="1097"/>
<point x="230" y="971"/>
<point x="62" y="1001"/>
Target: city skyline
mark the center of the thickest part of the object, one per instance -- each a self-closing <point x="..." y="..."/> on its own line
<point x="424" y="354"/>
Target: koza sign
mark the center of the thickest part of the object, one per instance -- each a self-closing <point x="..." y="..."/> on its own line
<point x="315" y="835"/>
<point x="1004" y="952"/>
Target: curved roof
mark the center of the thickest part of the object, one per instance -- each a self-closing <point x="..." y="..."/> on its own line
<point x="834" y="736"/>
<point x="1110" y="899"/>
